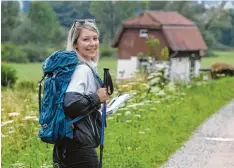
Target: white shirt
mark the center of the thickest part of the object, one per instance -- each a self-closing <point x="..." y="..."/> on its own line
<point x="82" y="80"/>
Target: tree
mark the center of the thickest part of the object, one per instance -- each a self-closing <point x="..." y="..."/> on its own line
<point x="44" y="22"/>
<point x="68" y="11"/>
<point x="9" y="17"/>
<point x="110" y="15"/>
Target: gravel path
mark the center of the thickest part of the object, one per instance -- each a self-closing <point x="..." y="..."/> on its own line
<point x="211" y="145"/>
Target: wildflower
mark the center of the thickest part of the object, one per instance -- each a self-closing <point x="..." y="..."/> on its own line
<point x="3" y="136"/>
<point x="110" y="118"/>
<point x="133" y="105"/>
<point x="11" y="131"/>
<point x="137" y="115"/>
<point x="133" y="93"/>
<point x="141" y="132"/>
<point x="154" y="81"/>
<point x="205" y="78"/>
<point x="184" y="94"/>
<point x="30" y="118"/>
<point x="7" y="122"/>
<point x="124" y="86"/>
<point x="127" y="113"/>
<point x="189" y="86"/>
<point x="161" y="93"/>
<point x="13" y="114"/>
<point x="18" y="164"/>
<point x="128" y="121"/>
<point x="198" y="83"/>
<point x="155" y="89"/>
<point x="157" y="101"/>
<point x="46" y="166"/>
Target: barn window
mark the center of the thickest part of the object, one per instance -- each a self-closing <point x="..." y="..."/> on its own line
<point x="143" y="33"/>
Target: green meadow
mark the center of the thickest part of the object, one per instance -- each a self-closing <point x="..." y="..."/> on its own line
<point x="219" y="56"/>
<point x="33" y="71"/>
<point x="142" y="134"/>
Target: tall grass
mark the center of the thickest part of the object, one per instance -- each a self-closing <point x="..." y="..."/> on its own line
<point x="143" y="134"/>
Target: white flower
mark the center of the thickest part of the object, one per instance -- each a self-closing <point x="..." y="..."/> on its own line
<point x="133" y="93"/>
<point x="7" y="122"/>
<point x="124" y="109"/>
<point x="157" y="101"/>
<point x="124" y="86"/>
<point x="155" y="89"/>
<point x="11" y="132"/>
<point x="198" y="83"/>
<point x="161" y="93"/>
<point x="13" y="114"/>
<point x="184" y="94"/>
<point x="141" y="132"/>
<point x="18" y="164"/>
<point x="110" y="118"/>
<point x="138" y="115"/>
<point x="46" y="166"/>
<point x="31" y="118"/>
<point x="205" y="78"/>
<point x="4" y="136"/>
<point x="127" y="113"/>
<point x="189" y="86"/>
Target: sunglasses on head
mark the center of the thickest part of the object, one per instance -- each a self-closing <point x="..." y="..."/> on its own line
<point x="82" y="21"/>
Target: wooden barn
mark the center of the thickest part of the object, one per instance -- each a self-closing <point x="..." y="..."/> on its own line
<point x="181" y="36"/>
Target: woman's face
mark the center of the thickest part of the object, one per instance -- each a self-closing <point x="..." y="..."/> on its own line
<point x="87" y="44"/>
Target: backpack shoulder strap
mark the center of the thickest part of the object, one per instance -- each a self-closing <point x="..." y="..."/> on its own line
<point x="96" y="76"/>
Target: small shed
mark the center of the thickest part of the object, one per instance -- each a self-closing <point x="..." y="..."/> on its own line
<point x="181" y="36"/>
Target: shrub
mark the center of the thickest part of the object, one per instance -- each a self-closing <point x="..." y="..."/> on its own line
<point x="8" y="74"/>
<point x="13" y="53"/>
<point x="36" y="53"/>
<point x="27" y="85"/>
<point x="107" y="51"/>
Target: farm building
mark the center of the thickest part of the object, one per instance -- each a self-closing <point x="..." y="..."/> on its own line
<point x="180" y="35"/>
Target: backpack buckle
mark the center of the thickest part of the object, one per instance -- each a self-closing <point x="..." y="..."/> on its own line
<point x="44" y="125"/>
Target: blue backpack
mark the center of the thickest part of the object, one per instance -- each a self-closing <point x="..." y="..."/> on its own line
<point x="57" y="72"/>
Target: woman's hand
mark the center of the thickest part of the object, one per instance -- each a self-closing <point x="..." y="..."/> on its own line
<point x="102" y="94"/>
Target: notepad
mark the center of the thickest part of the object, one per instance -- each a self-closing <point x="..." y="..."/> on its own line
<point x="116" y="103"/>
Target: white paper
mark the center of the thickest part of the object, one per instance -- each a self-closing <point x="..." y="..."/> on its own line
<point x="116" y="103"/>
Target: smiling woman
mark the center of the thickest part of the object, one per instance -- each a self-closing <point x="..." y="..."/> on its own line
<point x="83" y="97"/>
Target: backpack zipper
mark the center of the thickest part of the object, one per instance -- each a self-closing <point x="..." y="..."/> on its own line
<point x="91" y="125"/>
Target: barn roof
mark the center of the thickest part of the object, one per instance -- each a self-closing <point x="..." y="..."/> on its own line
<point x="180" y="33"/>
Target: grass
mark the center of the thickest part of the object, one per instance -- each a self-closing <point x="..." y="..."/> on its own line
<point x="33" y="71"/>
<point x="220" y="56"/>
<point x="137" y="136"/>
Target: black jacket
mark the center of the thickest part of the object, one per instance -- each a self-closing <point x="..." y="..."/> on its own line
<point x="87" y="130"/>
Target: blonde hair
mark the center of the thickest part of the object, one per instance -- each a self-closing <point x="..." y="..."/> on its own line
<point x="74" y="33"/>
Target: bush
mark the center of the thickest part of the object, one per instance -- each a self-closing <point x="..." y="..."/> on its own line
<point x="36" y="53"/>
<point x="8" y="74"/>
<point x="13" y="53"/>
<point x="27" y="85"/>
<point x="107" y="51"/>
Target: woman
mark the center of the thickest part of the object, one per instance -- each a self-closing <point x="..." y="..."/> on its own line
<point x="83" y="97"/>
